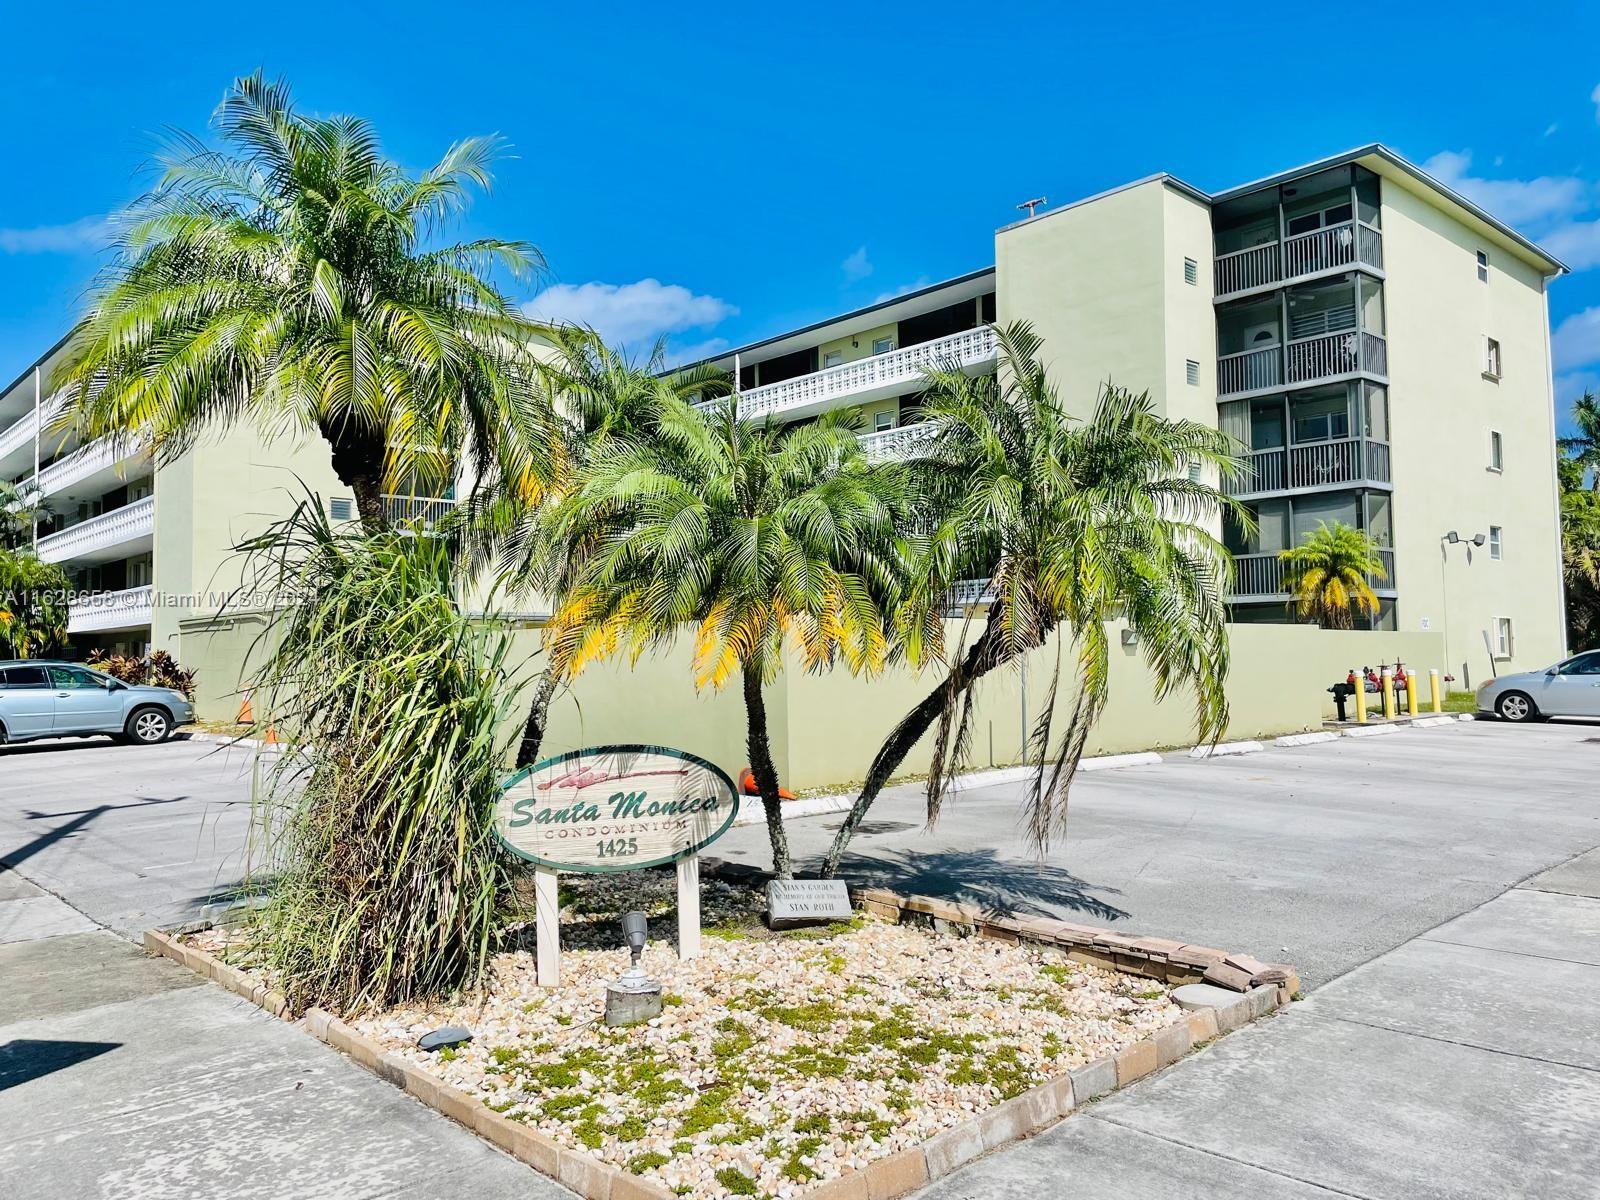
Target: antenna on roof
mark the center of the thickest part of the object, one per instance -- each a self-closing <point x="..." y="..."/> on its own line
<point x="1030" y="205"/>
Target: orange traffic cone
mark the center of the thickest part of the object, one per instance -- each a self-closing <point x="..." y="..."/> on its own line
<point x="247" y="714"/>
<point x="747" y="784"/>
<point x="272" y="736"/>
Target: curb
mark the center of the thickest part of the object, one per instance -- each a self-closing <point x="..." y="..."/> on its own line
<point x="1306" y="739"/>
<point x="1258" y="988"/>
<point x="1371" y="730"/>
<point x="1225" y="749"/>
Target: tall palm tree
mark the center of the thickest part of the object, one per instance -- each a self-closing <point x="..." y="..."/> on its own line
<point x="1583" y="448"/>
<point x="754" y="539"/>
<point x="1069" y="525"/>
<point x="1329" y="575"/>
<point x="598" y="395"/>
<point x="295" y="276"/>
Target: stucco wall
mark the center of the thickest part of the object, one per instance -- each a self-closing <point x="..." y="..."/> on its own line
<point x="1441" y="412"/>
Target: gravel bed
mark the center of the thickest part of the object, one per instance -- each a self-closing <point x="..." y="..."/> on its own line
<point x="780" y="1059"/>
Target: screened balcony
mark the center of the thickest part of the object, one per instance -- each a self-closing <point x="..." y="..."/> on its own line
<point x="1302" y="337"/>
<point x="1296" y="233"/>
<point x="1288" y="521"/>
<point x="1330" y="437"/>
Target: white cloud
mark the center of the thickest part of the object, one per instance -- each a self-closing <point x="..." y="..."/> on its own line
<point x="75" y="237"/>
<point x="920" y="282"/>
<point x="677" y="355"/>
<point x="1576" y="341"/>
<point x="1514" y="201"/>
<point x="1576" y="243"/>
<point x="856" y="267"/>
<point x="630" y="314"/>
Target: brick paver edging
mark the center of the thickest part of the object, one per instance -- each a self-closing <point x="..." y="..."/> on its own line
<point x="1261" y="987"/>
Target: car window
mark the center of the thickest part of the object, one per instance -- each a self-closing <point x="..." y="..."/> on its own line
<point x="23" y="678"/>
<point x="70" y="678"/>
<point x="1584" y="664"/>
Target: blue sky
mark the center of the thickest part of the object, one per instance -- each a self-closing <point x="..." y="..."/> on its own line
<point x="722" y="172"/>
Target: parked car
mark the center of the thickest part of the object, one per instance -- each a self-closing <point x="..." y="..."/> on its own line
<point x="1568" y="689"/>
<point x="43" y="699"/>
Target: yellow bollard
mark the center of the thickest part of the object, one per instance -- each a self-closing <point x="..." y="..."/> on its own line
<point x="1361" y="700"/>
<point x="1433" y="686"/>
<point x="1388" y="695"/>
<point x="1413" y="701"/>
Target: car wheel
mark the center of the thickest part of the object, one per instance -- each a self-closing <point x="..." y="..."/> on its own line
<point x="1515" y="706"/>
<point x="148" y="727"/>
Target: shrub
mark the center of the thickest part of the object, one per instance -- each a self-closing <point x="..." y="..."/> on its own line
<point x="33" y="605"/>
<point x="379" y="818"/>
<point x="159" y="670"/>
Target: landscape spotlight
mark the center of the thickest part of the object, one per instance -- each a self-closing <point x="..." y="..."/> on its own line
<point x="1478" y="539"/>
<point x="1452" y="537"/>
<point x="636" y="932"/>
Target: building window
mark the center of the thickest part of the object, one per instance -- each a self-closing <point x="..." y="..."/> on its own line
<point x="883" y="345"/>
<point x="1194" y="472"/>
<point x="1491" y="358"/>
<point x="883" y="420"/>
<point x="1483" y="267"/>
<point x="1503" y="639"/>
<point x="1497" y="451"/>
<point x="1191" y="372"/>
<point x="1191" y="271"/>
<point x="832" y="359"/>
<point x="1494" y="541"/>
<point x="341" y="509"/>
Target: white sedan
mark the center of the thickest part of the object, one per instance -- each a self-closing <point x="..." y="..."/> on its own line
<point x="1568" y="689"/>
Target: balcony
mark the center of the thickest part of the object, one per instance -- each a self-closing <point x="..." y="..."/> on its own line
<point x="416" y="511"/>
<point x="1297" y="259"/>
<point x="1260" y="576"/>
<point x="1341" y="461"/>
<point x="1326" y="358"/>
<point x="871" y="378"/>
<point x="886" y="444"/>
<point x="131" y="608"/>
<point x="17" y="437"/>
<point x="121" y="533"/>
<point x="101" y="458"/>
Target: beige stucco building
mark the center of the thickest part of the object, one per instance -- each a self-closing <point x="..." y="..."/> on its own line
<point x="1378" y="343"/>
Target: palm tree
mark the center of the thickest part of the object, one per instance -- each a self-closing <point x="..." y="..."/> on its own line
<point x="1584" y="447"/>
<point x="753" y="538"/>
<point x="33" y="605"/>
<point x="1329" y="575"/>
<point x="21" y="506"/>
<point x="599" y="395"/>
<point x="1069" y="525"/>
<point x="294" y="277"/>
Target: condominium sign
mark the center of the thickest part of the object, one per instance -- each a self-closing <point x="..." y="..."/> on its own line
<point x="615" y="808"/>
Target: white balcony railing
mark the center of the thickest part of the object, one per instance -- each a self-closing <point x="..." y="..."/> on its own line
<point x="1250" y="370"/>
<point x="19" y="433"/>
<point x="126" y="609"/>
<point x="893" y="443"/>
<point x="897" y="368"/>
<point x="1262" y="574"/>
<point x="425" y="511"/>
<point x="125" y="524"/>
<point x="1306" y="361"/>
<point x="85" y="461"/>
<point x="1313" y="464"/>
<point x="1350" y="243"/>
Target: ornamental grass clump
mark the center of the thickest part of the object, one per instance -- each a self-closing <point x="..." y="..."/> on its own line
<point x="377" y="820"/>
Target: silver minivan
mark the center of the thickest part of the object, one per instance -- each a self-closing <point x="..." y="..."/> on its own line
<point x="42" y="699"/>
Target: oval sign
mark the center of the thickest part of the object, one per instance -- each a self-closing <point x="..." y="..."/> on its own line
<point x="615" y="808"/>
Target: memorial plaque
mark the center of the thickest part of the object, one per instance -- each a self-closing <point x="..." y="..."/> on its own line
<point x="792" y="902"/>
<point x="615" y="808"/>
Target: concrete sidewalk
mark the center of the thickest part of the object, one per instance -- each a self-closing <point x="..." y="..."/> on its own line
<point x="128" y="1078"/>
<point x="1464" y="1063"/>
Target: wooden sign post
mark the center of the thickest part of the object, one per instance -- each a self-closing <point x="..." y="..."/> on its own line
<point x="614" y="808"/>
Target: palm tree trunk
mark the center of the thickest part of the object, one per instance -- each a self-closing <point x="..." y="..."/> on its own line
<point x="983" y="656"/>
<point x="358" y="462"/>
<point x="538" y="713"/>
<point x="759" y="746"/>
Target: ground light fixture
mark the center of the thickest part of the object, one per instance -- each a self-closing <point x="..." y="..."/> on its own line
<point x="635" y="997"/>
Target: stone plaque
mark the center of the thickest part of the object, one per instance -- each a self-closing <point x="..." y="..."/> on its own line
<point x="615" y="808"/>
<point x="792" y="902"/>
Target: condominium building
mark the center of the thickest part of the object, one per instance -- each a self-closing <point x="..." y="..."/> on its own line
<point x="1378" y="344"/>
